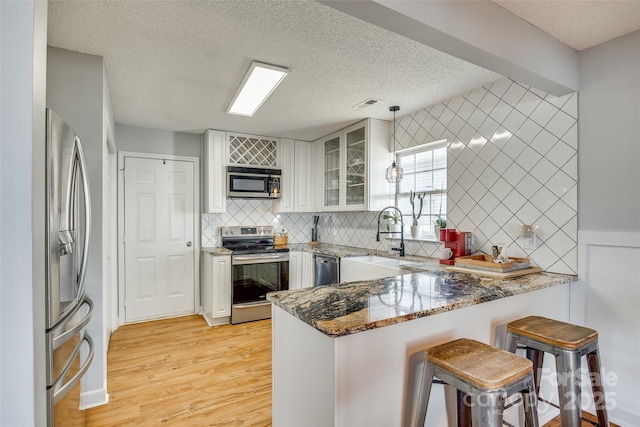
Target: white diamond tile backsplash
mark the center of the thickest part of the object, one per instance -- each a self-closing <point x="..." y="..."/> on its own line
<point x="512" y="160"/>
<point x="524" y="172"/>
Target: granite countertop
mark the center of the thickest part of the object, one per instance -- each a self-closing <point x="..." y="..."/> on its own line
<point x="216" y="251"/>
<point x="417" y="263"/>
<point x="347" y="308"/>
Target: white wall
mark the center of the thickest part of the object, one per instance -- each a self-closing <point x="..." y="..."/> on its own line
<point x="609" y="214"/>
<point x="75" y="92"/>
<point x="23" y="29"/>
<point x="156" y="141"/>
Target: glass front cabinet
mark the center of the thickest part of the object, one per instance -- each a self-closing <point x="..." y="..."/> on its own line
<point x="355" y="154"/>
<point x="353" y="166"/>
<point x="332" y="162"/>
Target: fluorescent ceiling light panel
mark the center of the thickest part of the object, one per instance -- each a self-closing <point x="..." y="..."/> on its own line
<point x="259" y="82"/>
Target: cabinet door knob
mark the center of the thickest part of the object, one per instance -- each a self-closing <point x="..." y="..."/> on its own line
<point x="188" y="244"/>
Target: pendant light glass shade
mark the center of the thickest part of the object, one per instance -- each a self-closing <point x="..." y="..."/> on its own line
<point x="394" y="172"/>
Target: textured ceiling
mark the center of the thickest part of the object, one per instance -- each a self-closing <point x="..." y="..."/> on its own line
<point x="579" y="24"/>
<point x="176" y="64"/>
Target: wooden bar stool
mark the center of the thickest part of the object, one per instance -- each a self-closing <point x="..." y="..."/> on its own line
<point x="488" y="375"/>
<point x="568" y="343"/>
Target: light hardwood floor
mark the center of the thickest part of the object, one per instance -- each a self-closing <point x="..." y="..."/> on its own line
<point x="181" y="372"/>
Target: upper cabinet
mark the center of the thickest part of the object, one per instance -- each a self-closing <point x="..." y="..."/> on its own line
<point x="304" y="187"/>
<point x="331" y="170"/>
<point x="286" y="154"/>
<point x="252" y="150"/>
<point x="352" y="167"/>
<point x="343" y="171"/>
<point x="221" y="149"/>
<point x="214" y="173"/>
<point x="298" y="183"/>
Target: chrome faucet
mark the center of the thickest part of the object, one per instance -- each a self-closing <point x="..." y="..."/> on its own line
<point x="401" y="248"/>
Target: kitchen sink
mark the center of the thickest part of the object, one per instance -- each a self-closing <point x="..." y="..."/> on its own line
<point x="370" y="267"/>
<point x="373" y="259"/>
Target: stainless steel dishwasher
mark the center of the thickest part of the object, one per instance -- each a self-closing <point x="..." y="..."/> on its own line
<point x="327" y="270"/>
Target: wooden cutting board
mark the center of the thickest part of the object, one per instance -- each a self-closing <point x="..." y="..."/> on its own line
<point x="497" y="275"/>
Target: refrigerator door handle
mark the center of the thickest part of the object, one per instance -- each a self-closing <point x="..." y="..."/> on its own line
<point x="59" y="389"/>
<point x="65" y="237"/>
<point x="87" y="221"/>
<point x="58" y="340"/>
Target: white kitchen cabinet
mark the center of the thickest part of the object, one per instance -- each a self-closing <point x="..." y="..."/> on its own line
<point x="216" y="288"/>
<point x="298" y="183"/>
<point x="295" y="270"/>
<point x="214" y="173"/>
<point x="318" y="171"/>
<point x="251" y="150"/>
<point x="304" y="177"/>
<point x="300" y="270"/>
<point x="353" y="163"/>
<point x="308" y="268"/>
<point x="286" y="162"/>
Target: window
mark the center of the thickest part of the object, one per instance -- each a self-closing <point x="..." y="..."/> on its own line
<point x="425" y="171"/>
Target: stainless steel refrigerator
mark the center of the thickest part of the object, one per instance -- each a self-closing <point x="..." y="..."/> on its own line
<point x="69" y="347"/>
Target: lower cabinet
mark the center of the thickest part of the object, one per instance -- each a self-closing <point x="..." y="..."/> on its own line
<point x="307" y="270"/>
<point x="216" y="288"/>
<point x="300" y="270"/>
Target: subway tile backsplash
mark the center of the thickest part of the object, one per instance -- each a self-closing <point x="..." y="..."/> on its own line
<point x="512" y="159"/>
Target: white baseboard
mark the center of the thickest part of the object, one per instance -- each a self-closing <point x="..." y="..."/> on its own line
<point x="624" y="418"/>
<point x="546" y="413"/>
<point x="215" y="321"/>
<point x="90" y="399"/>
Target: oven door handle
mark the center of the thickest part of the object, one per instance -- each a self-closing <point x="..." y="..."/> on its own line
<point x="251" y="304"/>
<point x="242" y="260"/>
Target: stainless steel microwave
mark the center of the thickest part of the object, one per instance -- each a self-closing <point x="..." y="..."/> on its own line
<point x="253" y="183"/>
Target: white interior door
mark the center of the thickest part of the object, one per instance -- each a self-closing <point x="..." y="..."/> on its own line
<point x="159" y="238"/>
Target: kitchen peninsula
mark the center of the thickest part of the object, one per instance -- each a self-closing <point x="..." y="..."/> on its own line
<point x="351" y="354"/>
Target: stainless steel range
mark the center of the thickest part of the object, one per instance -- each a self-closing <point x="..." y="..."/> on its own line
<point x="258" y="267"/>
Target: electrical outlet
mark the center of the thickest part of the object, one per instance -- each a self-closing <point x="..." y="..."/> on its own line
<point x="529" y="243"/>
<point x="528" y="234"/>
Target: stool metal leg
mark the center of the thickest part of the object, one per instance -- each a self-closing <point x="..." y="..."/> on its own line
<point x="536" y="357"/>
<point x="463" y="408"/>
<point x="487" y="408"/>
<point x="596" y="385"/>
<point x="530" y="401"/>
<point x="567" y="367"/>
<point x="511" y="343"/>
<point x="423" y="395"/>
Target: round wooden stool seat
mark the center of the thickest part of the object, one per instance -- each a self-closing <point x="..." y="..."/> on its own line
<point x="484" y="377"/>
<point x="553" y="332"/>
<point x="483" y="365"/>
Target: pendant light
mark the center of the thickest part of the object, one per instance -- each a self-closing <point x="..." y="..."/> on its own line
<point x="394" y="172"/>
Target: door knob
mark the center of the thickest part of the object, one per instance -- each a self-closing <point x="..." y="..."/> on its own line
<point x="188" y="244"/>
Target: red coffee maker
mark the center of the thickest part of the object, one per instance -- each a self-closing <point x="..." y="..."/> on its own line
<point x="458" y="241"/>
